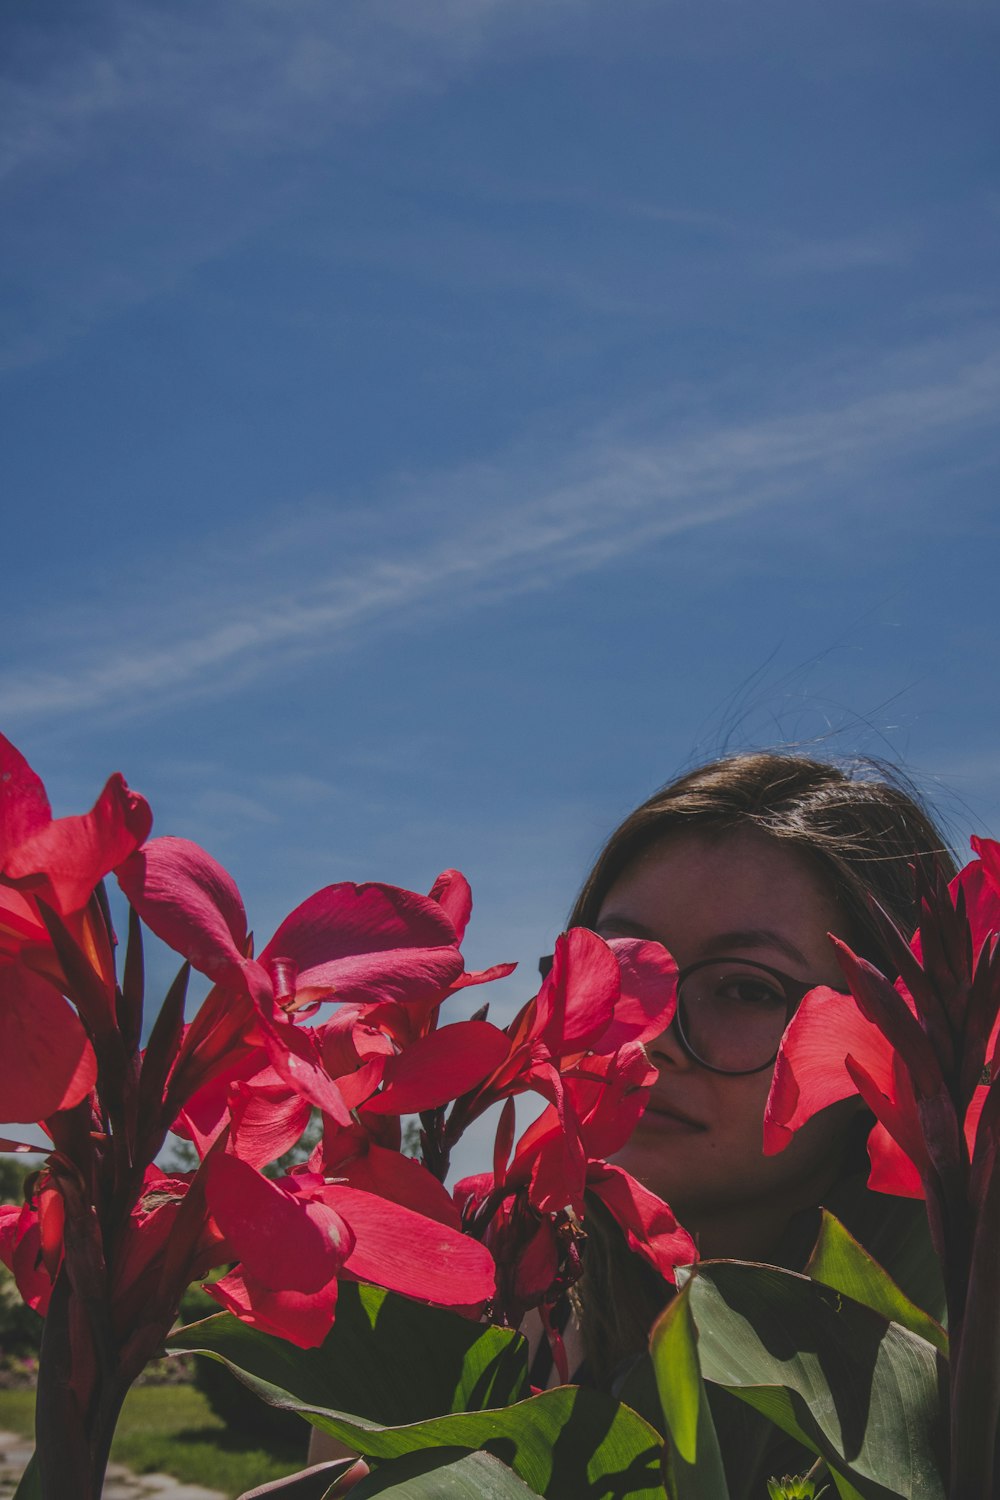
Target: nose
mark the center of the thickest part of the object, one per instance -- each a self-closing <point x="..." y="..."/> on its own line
<point x="667" y="1050"/>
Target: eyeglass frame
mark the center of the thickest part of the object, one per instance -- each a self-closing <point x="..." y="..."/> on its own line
<point x="795" y="991"/>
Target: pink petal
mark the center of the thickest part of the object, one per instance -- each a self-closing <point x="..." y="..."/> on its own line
<point x="892" y="1170"/>
<point x="348" y="1038"/>
<point x="609" y="1095"/>
<point x="70" y="855"/>
<point x="482" y="976"/>
<point x="897" y="1114"/>
<point x="19" y="923"/>
<point x="453" y="894"/>
<point x="399" y="1178"/>
<point x="980" y="885"/>
<point x="648" y="1222"/>
<point x="267" y="1119"/>
<point x="557" y="1176"/>
<point x="24" y="807"/>
<point x="191" y="902"/>
<point x="222" y="1045"/>
<point x="577" y="998"/>
<point x="439" y="1068"/>
<point x="21" y="1253"/>
<point x="282" y="1239"/>
<point x="294" y="1055"/>
<point x="648" y="994"/>
<point x="342" y="939"/>
<point x="537" y="1265"/>
<point x="810" y="1071"/>
<point x="408" y="1253"/>
<point x="303" y="1318"/>
<point x="46" y="1061"/>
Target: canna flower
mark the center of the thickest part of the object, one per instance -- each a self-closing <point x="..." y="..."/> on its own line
<point x="49" y="919"/>
<point x="296" y="1237"/>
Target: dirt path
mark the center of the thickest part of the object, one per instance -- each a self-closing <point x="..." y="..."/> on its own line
<point x="121" y="1483"/>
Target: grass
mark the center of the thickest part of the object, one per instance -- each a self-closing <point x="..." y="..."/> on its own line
<point x="171" y="1429"/>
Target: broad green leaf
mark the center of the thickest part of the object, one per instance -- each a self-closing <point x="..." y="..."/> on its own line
<point x="567" y="1444"/>
<point x="852" y="1386"/>
<point x="693" y="1462"/>
<point x="844" y="1488"/>
<point x="386" y="1359"/>
<point x="838" y="1261"/>
<point x="440" y="1474"/>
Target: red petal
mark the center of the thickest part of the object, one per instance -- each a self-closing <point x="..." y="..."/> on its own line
<point x="24" y="807"/>
<point x="46" y="1061"/>
<point x="190" y="901"/>
<point x="810" y="1071"/>
<point x="303" y="1318"/>
<point x="898" y="1116"/>
<point x="577" y="998"/>
<point x="344" y="920"/>
<point x="482" y="976"/>
<point x="282" y="1239"/>
<point x="609" y="1095"/>
<point x="392" y="1175"/>
<point x="294" y="1056"/>
<point x="21" y="1253"/>
<point x="72" y="854"/>
<point x="892" y="1170"/>
<point x="648" y="994"/>
<point x="648" y="1222"/>
<point x="557" y="1175"/>
<point x="537" y="1264"/>
<point x="408" y="1253"/>
<point x="439" y="1067"/>
<point x="453" y="894"/>
<point x="267" y="1119"/>
<point x="19" y="923"/>
<point x="980" y="884"/>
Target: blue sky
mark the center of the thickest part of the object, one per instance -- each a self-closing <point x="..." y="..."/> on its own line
<point x="428" y="425"/>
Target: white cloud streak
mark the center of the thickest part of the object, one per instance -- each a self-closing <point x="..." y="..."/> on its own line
<point x="480" y="536"/>
<point x="238" y="73"/>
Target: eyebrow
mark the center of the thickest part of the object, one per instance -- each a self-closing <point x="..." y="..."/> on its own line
<point x="722" y="945"/>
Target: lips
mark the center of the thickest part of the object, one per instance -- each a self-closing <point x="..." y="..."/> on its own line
<point x="665" y="1110"/>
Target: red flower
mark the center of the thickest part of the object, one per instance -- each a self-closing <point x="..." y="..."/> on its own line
<point x="295" y="1237"/>
<point x="915" y="1051"/>
<point x="48" y="871"/>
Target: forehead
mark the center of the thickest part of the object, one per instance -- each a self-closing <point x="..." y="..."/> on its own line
<point x="689" y="889"/>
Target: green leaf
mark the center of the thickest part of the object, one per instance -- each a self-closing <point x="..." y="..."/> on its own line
<point x="386" y="1359"/>
<point x="852" y="1386"/>
<point x="693" y="1461"/>
<point x="438" y="1474"/>
<point x="567" y="1444"/>
<point x="838" y="1261"/>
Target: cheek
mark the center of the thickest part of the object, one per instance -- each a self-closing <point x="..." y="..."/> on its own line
<point x="738" y="1111"/>
<point x="820" y="1143"/>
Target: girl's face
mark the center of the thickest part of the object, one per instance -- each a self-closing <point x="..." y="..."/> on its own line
<point x="698" y="1145"/>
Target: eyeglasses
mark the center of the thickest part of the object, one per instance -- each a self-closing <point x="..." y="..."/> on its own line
<point x="732" y="1012"/>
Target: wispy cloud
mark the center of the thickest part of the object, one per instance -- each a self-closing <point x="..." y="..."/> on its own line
<point x="220" y="76"/>
<point x="442" y="544"/>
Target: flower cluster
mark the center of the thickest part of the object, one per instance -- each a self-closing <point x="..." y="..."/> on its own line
<point x="924" y="1055"/>
<point x="343" y="1012"/>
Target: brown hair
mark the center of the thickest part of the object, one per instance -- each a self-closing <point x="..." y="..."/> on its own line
<point x="861" y="826"/>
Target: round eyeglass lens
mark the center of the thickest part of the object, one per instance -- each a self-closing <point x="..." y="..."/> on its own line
<point x="732" y="1015"/>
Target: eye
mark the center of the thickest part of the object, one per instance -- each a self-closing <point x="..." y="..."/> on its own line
<point x="750" y="991"/>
